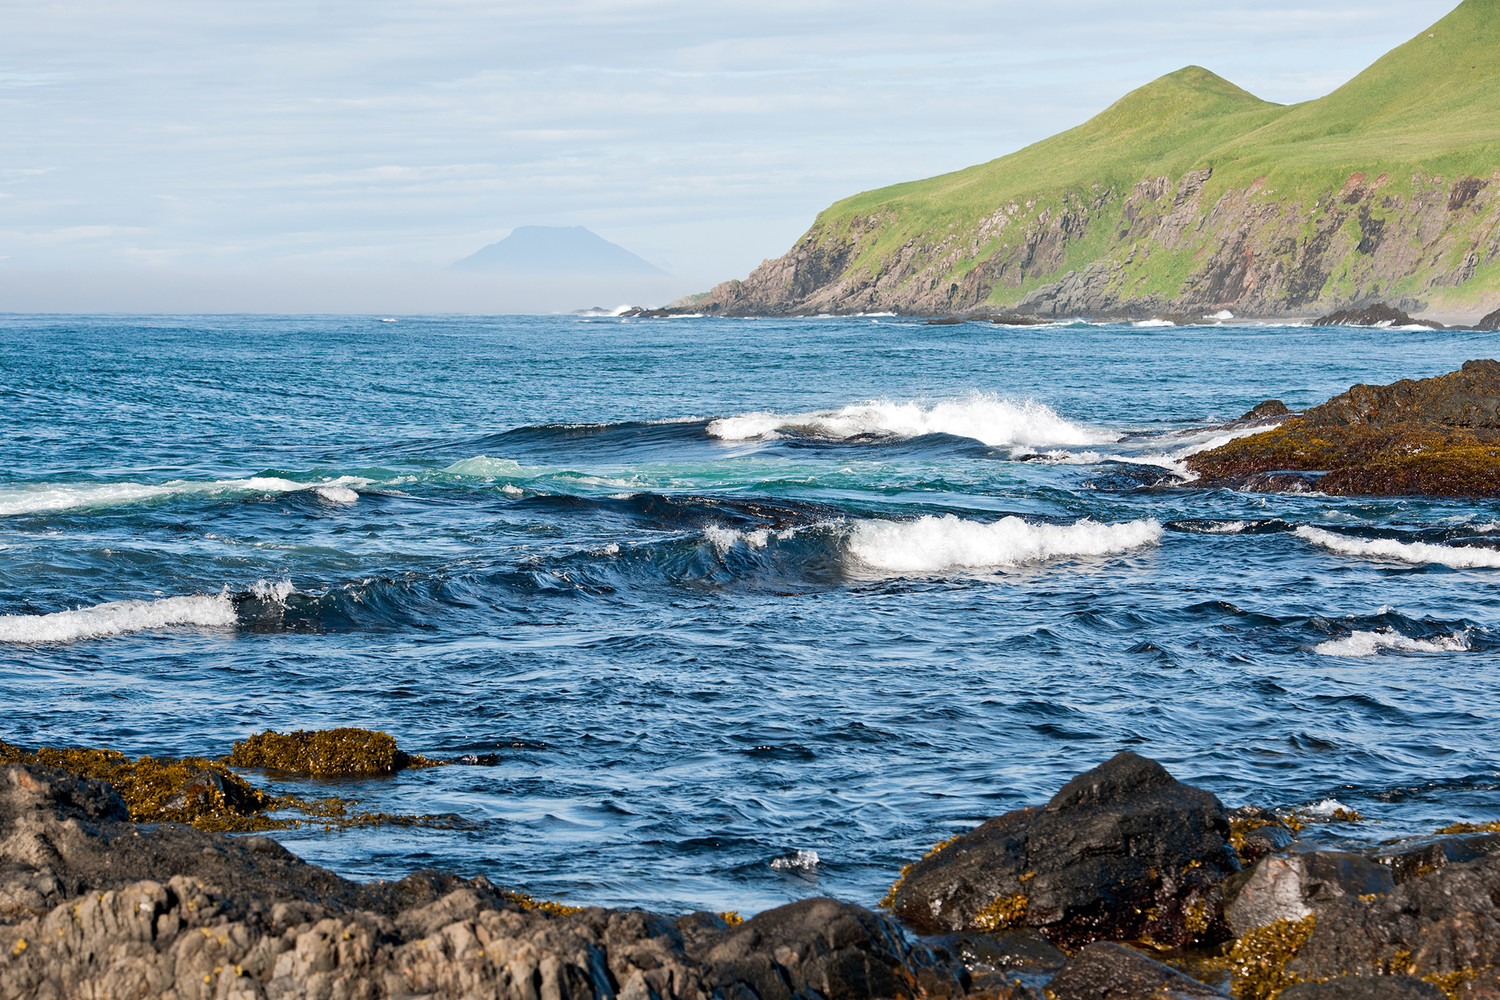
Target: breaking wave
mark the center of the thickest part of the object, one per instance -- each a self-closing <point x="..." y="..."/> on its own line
<point x="935" y="544"/>
<point x="985" y="418"/>
<point x="118" y="618"/>
<point x="1360" y="645"/>
<point x="1390" y="549"/>
<point x="42" y="498"/>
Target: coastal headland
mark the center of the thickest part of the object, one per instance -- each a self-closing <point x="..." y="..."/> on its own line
<point x="1127" y="883"/>
<point x="1192" y="196"/>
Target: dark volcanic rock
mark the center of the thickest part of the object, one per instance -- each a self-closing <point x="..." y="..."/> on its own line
<point x="1379" y="314"/>
<point x="94" y="905"/>
<point x="1364" y="988"/>
<point x="1437" y="436"/>
<point x="1443" y="927"/>
<point x="1490" y="323"/>
<point x="1107" y="971"/>
<point x="823" y="947"/>
<point x="1294" y="886"/>
<point x="1415" y="858"/>
<point x="1122" y="851"/>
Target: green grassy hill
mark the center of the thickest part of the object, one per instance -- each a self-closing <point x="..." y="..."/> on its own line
<point x="1191" y="193"/>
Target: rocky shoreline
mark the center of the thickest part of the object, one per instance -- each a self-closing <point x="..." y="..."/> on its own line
<point x="1431" y="437"/>
<point x="1127" y="884"/>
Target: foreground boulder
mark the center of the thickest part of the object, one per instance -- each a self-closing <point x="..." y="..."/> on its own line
<point x="1295" y="886"/>
<point x="1437" y="437"/>
<point x="1443" y="927"/>
<point x="1122" y="852"/>
<point x="92" y="904"/>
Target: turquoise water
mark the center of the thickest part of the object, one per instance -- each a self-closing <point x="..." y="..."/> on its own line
<point x="717" y="592"/>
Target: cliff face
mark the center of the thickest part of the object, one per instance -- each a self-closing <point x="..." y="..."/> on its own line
<point x="1170" y="248"/>
<point x="1192" y="196"/>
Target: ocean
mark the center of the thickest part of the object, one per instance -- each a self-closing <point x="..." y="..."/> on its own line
<point x="747" y="610"/>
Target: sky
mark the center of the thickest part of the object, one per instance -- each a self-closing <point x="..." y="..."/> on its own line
<point x="336" y="155"/>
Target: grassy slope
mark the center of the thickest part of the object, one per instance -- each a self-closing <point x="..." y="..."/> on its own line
<point x="1430" y="107"/>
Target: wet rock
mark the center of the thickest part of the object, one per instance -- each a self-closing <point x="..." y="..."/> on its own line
<point x="92" y="904"/>
<point x="832" y="949"/>
<point x="1294" y="886"/>
<point x="1256" y="832"/>
<point x="1122" y="851"/>
<point x="1364" y="988"/>
<point x="1444" y="928"/>
<point x="1437" y="436"/>
<point x="1416" y="858"/>
<point x="1025" y="948"/>
<point x="1108" y="971"/>
<point x="1379" y="314"/>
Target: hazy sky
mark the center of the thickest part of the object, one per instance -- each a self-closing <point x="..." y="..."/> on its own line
<point x="324" y="154"/>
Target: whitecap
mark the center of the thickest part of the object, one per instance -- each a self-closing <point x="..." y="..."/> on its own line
<point x="988" y="419"/>
<point x="44" y="497"/>
<point x="337" y="494"/>
<point x="723" y="539"/>
<point x="798" y="861"/>
<point x="272" y="590"/>
<point x="1361" y="645"/>
<point x="118" y="618"/>
<point x="935" y="544"/>
<point x="1152" y="323"/>
<point x="1391" y="550"/>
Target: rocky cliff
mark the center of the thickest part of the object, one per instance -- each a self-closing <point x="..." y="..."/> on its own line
<point x="1192" y="196"/>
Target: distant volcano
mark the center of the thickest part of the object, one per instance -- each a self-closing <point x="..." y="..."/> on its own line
<point x="556" y="250"/>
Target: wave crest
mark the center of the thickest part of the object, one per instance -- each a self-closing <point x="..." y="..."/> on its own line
<point x="118" y="618"/>
<point x="988" y="419"/>
<point x="933" y="544"/>
<point x="1360" y="645"/>
<point x="1390" y="549"/>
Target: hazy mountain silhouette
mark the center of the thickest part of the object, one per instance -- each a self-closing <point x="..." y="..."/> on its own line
<point x="555" y="250"/>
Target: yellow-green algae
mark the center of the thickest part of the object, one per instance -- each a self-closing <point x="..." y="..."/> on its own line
<point x="1257" y="964"/>
<point x="533" y="905"/>
<point x="889" y="899"/>
<point x="325" y="753"/>
<point x="1003" y="913"/>
<point x="1492" y="827"/>
<point x="164" y="790"/>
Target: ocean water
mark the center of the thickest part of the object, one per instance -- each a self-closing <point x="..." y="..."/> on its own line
<point x="749" y="610"/>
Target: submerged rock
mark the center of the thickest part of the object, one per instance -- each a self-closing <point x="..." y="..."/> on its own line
<point x="1121" y="852"/>
<point x="1437" y="436"/>
<point x="1415" y="858"/>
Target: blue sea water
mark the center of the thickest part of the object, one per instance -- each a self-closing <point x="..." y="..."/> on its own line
<point x="723" y="595"/>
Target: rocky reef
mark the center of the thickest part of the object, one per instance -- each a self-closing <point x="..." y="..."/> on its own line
<point x="1436" y="437"/>
<point x="1127" y="884"/>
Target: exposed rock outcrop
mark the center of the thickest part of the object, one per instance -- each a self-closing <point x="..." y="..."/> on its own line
<point x="1122" y="851"/>
<point x="94" y="905"/>
<point x="1437" y="436"/>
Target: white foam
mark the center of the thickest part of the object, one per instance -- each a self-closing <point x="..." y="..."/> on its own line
<point x="1152" y="323"/>
<point x="118" y="618"/>
<point x="723" y="539"/>
<point x="798" y="861"/>
<point x="1223" y="316"/>
<point x="1225" y="528"/>
<point x="1360" y="645"/>
<point x="985" y="418"/>
<point x="934" y="544"/>
<point x="272" y="590"/>
<point x="66" y="496"/>
<point x="1389" y="549"/>
<point x="1326" y="809"/>
<point x="337" y="494"/>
